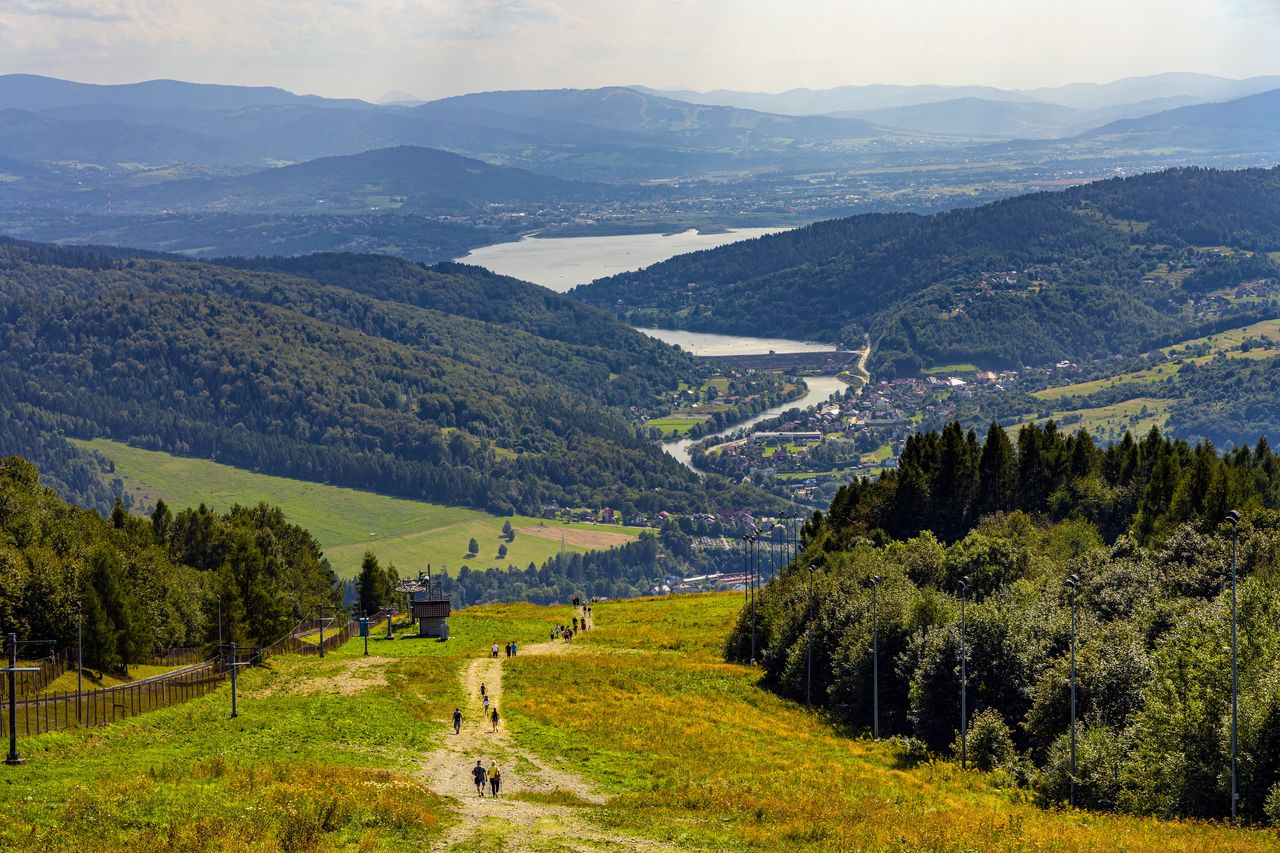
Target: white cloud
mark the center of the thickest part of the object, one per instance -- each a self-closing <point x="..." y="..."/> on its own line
<point x="438" y="47"/>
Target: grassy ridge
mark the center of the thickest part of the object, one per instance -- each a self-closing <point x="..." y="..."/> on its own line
<point x="346" y="522"/>
<point x="696" y="753"/>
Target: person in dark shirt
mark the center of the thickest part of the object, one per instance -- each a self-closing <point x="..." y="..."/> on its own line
<point x="457" y="720"/>
<point x="481" y="776"/>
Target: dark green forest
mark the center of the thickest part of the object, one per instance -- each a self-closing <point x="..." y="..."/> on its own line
<point x="447" y="383"/>
<point x="149" y="584"/>
<point x="1077" y="274"/>
<point x="1003" y="522"/>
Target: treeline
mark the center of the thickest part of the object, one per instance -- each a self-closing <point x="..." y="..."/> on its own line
<point x="1006" y="524"/>
<point x="285" y="375"/>
<point x="621" y="572"/>
<point x="1029" y="280"/>
<point x="149" y="584"/>
<point x="946" y="481"/>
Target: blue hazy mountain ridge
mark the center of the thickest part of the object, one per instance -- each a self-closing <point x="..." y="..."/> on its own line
<point x="844" y="99"/>
<point x="1236" y="125"/>
<point x="34" y="92"/>
<point x="412" y="180"/>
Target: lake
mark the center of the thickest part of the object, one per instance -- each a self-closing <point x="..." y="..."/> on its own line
<point x="560" y="263"/>
<point x="707" y="344"/>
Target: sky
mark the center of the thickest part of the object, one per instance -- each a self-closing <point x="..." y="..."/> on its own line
<point x="434" y="48"/>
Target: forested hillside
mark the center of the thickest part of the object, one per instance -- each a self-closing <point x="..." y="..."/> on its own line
<point x="285" y="375"/>
<point x="147" y="585"/>
<point x="1006" y="523"/>
<point x="1092" y="271"/>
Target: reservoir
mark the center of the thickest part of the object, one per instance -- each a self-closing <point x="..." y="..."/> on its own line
<point x="560" y="263"/>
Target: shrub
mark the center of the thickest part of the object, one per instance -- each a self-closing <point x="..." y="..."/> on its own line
<point x="990" y="742"/>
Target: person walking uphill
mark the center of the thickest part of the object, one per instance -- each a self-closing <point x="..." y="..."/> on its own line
<point x="495" y="777"/>
<point x="494" y="717"/>
<point x="457" y="721"/>
<point x="481" y="776"/>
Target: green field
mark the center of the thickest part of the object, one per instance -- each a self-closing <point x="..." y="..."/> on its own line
<point x="347" y="522"/>
<point x="950" y="368"/>
<point x="678" y="426"/>
<point x="636" y="736"/>
<point x="1112" y="421"/>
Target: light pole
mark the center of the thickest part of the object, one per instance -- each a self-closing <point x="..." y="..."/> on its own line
<point x="1233" y="517"/>
<point x="79" y="661"/>
<point x="875" y="660"/>
<point x="1074" y="583"/>
<point x="808" y="666"/>
<point x="219" y="624"/>
<point x="964" y="678"/>
<point x="755" y="574"/>
<point x="320" y="609"/>
<point x="746" y="568"/>
<point x="364" y="629"/>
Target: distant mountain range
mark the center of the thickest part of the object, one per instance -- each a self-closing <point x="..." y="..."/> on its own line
<point x="1083" y="96"/>
<point x="406" y="179"/>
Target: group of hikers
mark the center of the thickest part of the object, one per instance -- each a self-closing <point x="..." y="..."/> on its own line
<point x="566" y="632"/>
<point x="490" y="776"/>
<point x="490" y="712"/>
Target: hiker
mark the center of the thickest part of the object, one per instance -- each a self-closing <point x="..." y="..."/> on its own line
<point x="494" y="717"/>
<point x="495" y="650"/>
<point x="553" y="633"/>
<point x="508" y="647"/>
<point x="482" y="688"/>
<point x="486" y="704"/>
<point x="513" y="648"/>
<point x="481" y="776"/>
<point x="575" y="623"/>
<point x="495" y="777"/>
<point x="457" y="721"/>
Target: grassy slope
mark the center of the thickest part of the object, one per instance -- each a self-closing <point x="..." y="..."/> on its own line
<point x="697" y="754"/>
<point x="326" y="755"/>
<point x="346" y="522"/>
<point x="323" y="755"/>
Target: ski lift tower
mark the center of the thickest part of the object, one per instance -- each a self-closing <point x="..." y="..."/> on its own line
<point x="430" y="606"/>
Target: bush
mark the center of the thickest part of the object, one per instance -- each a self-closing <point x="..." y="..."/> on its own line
<point x="1272" y="806"/>
<point x="990" y="742"/>
<point x="1100" y="759"/>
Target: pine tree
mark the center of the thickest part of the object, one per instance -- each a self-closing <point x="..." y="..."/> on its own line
<point x="997" y="473"/>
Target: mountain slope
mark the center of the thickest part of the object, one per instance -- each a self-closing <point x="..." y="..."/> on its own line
<point x="405" y="178"/>
<point x="289" y="376"/>
<point x="34" y="92"/>
<point x="1243" y="124"/>
<point x="1078" y="274"/>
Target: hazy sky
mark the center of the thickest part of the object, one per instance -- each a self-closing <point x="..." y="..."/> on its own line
<point x="363" y="48"/>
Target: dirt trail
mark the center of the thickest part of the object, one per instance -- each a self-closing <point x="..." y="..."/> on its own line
<point x="508" y="823"/>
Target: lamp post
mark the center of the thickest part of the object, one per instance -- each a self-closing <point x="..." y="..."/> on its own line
<point x="964" y="678"/>
<point x="755" y="586"/>
<point x="1233" y="518"/>
<point x="12" y="672"/>
<point x="79" y="661"/>
<point x="219" y="624"/>
<point x="364" y="629"/>
<point x="808" y="665"/>
<point x="1074" y="583"/>
<point x="875" y="660"/>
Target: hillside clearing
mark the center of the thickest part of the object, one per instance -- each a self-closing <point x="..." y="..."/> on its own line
<point x="347" y="522"/>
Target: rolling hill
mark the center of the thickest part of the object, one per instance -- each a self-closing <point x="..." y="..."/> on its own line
<point x="353" y="385"/>
<point x="1078" y="274"/>
<point x="406" y="179"/>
